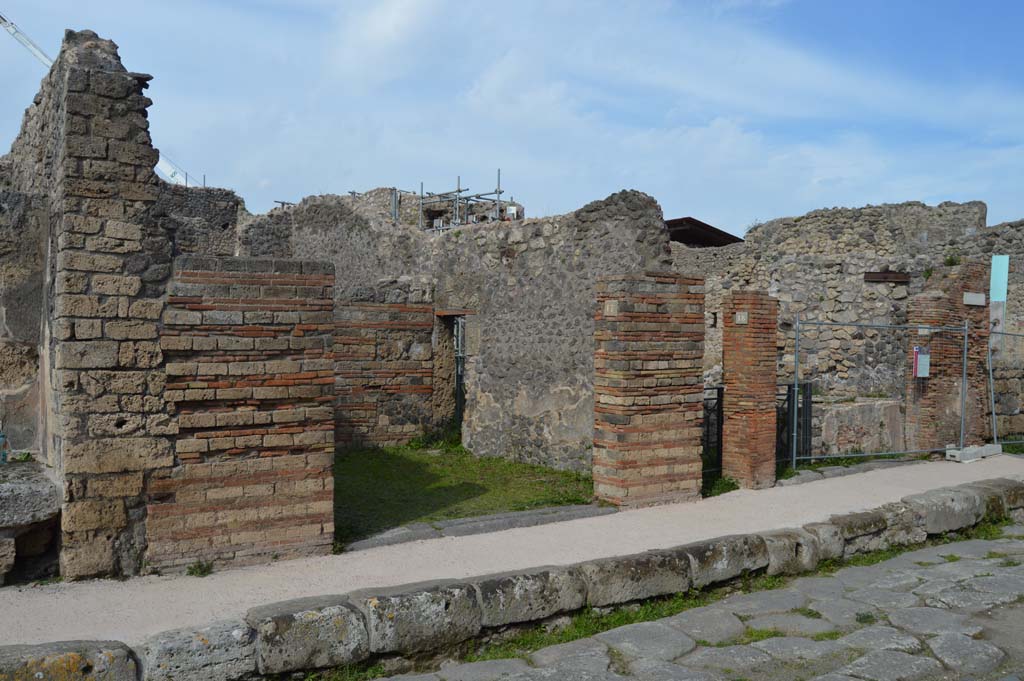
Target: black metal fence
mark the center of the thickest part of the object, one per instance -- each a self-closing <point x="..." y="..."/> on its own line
<point x="784" y="434"/>
<point x="711" y="437"/>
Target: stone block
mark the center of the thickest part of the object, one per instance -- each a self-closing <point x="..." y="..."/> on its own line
<point x="93" y="514"/>
<point x="224" y="651"/>
<point x="525" y="597"/>
<point x="117" y="455"/>
<point x="948" y="509"/>
<point x="790" y="551"/>
<point x="89" y="558"/>
<point x="8" y="553"/>
<point x="308" y="633"/>
<point x="831" y="544"/>
<point x="724" y="558"/>
<point x="623" y="579"/>
<point x="419" y="617"/>
<point x="27" y="494"/>
<point x="68" y="661"/>
<point x="86" y="355"/>
<point x="852" y="525"/>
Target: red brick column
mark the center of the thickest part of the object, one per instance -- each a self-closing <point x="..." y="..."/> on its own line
<point x="934" y="403"/>
<point x="648" y="388"/>
<point x="750" y="321"/>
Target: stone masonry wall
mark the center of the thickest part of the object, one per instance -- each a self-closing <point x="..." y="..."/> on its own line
<point x="934" y="404"/>
<point x="107" y="427"/>
<point x="529" y="367"/>
<point x="649" y="389"/>
<point x="748" y="428"/>
<point x="384" y="364"/>
<point x="248" y="344"/>
<point x="815" y="264"/>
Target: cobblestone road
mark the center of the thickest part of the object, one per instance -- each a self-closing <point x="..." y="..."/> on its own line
<point x="949" y="612"/>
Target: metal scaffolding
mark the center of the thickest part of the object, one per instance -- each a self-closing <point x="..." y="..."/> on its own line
<point x="460" y="203"/>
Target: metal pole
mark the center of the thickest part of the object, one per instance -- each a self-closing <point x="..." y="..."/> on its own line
<point x="794" y="405"/>
<point x="963" y="392"/>
<point x="419" y="220"/>
<point x="497" y="212"/>
<point x="992" y="392"/>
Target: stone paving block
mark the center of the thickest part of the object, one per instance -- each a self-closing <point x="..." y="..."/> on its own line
<point x="892" y="665"/>
<point x="586" y="653"/>
<point x="965" y="654"/>
<point x="68" y="661"/>
<point x="550" y="674"/>
<point x="611" y="581"/>
<point x="881" y="638"/>
<point x="834" y="677"/>
<point x="709" y="625"/>
<point x="967" y="599"/>
<point x="819" y="588"/>
<point x="488" y="670"/>
<point x="794" y="649"/>
<point x="653" y="640"/>
<point x="764" y="602"/>
<point x="842" y="612"/>
<point x="735" y="658"/>
<point x="225" y="651"/>
<point x="658" y="670"/>
<point x="419" y="617"/>
<point x="792" y="624"/>
<point x="307" y="633"/>
<point x="524" y="597"/>
<point x="932" y="621"/>
<point x="883" y="598"/>
<point x="724" y="558"/>
<point x="414" y="677"/>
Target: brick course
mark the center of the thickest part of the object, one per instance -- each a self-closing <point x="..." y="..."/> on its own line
<point x="249" y="361"/>
<point x="384" y="364"/>
<point x="648" y="402"/>
<point x="748" y="372"/>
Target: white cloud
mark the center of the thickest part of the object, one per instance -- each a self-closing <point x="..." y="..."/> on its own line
<point x="711" y="114"/>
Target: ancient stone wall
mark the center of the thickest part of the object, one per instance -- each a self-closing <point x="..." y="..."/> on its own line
<point x="815" y="266"/>
<point x="384" y="363"/>
<point x="529" y="284"/>
<point x="200" y="220"/>
<point x="649" y="388"/>
<point x="248" y="345"/>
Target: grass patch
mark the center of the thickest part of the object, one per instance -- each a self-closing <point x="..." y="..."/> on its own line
<point x="828" y="636"/>
<point x="865" y="618"/>
<point x="590" y="622"/>
<point x="200" y="568"/>
<point x="807" y="612"/>
<point x="360" y="672"/>
<point x="434" y="478"/>
<point x="720" y="486"/>
<point x="950" y="558"/>
<point x="995" y="554"/>
<point x="1009" y="562"/>
<point x="1014" y="448"/>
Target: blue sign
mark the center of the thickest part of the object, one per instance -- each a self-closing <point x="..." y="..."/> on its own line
<point x="1000" y="278"/>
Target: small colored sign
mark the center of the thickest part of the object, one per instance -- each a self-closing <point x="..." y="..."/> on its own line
<point x="1000" y="278"/>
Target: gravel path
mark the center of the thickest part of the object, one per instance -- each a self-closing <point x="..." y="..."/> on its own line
<point x="949" y="612"/>
<point x="133" y="610"/>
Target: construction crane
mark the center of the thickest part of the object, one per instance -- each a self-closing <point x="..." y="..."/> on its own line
<point x="171" y="172"/>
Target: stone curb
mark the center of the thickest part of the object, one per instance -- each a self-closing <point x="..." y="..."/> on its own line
<point x="311" y="633"/>
<point x="461" y="527"/>
<point x="807" y="475"/>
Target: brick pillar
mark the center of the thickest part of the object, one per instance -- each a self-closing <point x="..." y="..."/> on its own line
<point x="934" y="403"/>
<point x="648" y="388"/>
<point x="750" y="321"/>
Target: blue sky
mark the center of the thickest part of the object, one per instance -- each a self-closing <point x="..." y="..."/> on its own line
<point x="728" y="110"/>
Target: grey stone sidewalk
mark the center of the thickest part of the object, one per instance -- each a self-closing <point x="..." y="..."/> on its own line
<point x="953" y="612"/>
